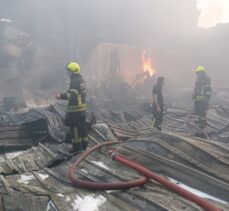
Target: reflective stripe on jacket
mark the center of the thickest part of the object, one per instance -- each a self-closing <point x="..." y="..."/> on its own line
<point x="202" y="89"/>
<point x="76" y="94"/>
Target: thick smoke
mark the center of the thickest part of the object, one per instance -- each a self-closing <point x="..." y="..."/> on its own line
<point x="37" y="39"/>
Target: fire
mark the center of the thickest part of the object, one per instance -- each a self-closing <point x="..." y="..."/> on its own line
<point x="147" y="64"/>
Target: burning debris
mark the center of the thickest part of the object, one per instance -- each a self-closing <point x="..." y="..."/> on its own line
<point x="42" y="140"/>
<point x="43" y="154"/>
<point x="167" y="153"/>
<point x="147" y="64"/>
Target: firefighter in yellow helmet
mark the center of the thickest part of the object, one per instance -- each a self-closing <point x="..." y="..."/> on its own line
<point x="76" y="111"/>
<point x="201" y="96"/>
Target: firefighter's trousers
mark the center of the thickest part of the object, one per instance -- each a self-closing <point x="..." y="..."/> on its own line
<point x="76" y="121"/>
<point x="157" y="117"/>
<point x="201" y="111"/>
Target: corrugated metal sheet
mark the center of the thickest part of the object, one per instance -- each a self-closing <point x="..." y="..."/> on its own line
<point x="36" y="179"/>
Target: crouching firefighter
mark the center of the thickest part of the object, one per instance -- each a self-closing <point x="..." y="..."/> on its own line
<point x="76" y="112"/>
<point x="201" y="96"/>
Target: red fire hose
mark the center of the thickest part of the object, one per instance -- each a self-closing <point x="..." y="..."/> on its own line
<point x="100" y="186"/>
<point x="186" y="194"/>
<point x="134" y="183"/>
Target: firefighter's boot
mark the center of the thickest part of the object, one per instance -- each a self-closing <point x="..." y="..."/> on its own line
<point x="84" y="143"/>
<point x="76" y="142"/>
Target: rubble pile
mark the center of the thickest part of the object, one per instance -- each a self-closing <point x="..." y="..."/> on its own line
<point x="35" y="159"/>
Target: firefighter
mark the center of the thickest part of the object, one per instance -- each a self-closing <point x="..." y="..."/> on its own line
<point x="201" y="96"/>
<point x="158" y="103"/>
<point x="76" y="112"/>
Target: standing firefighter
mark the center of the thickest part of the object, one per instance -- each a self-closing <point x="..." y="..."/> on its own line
<point x="76" y="111"/>
<point x="158" y="103"/>
<point x="202" y="94"/>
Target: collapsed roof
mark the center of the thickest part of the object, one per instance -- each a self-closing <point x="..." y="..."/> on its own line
<point x="35" y="160"/>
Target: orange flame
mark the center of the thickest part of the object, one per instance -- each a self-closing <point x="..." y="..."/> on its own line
<point x="147" y="64"/>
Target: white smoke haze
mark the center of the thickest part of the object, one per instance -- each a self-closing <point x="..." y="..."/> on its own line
<point x="213" y="12"/>
<point x="38" y="38"/>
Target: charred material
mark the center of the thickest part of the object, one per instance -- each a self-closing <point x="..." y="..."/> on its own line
<point x="40" y="173"/>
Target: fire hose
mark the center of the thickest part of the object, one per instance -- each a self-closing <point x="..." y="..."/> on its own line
<point x="134" y="183"/>
<point x="101" y="186"/>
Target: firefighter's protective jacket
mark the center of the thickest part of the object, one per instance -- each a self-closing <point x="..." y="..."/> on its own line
<point x="202" y="89"/>
<point x="76" y="94"/>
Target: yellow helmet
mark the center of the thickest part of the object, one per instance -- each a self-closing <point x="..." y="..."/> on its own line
<point x="200" y="69"/>
<point x="73" y="67"/>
